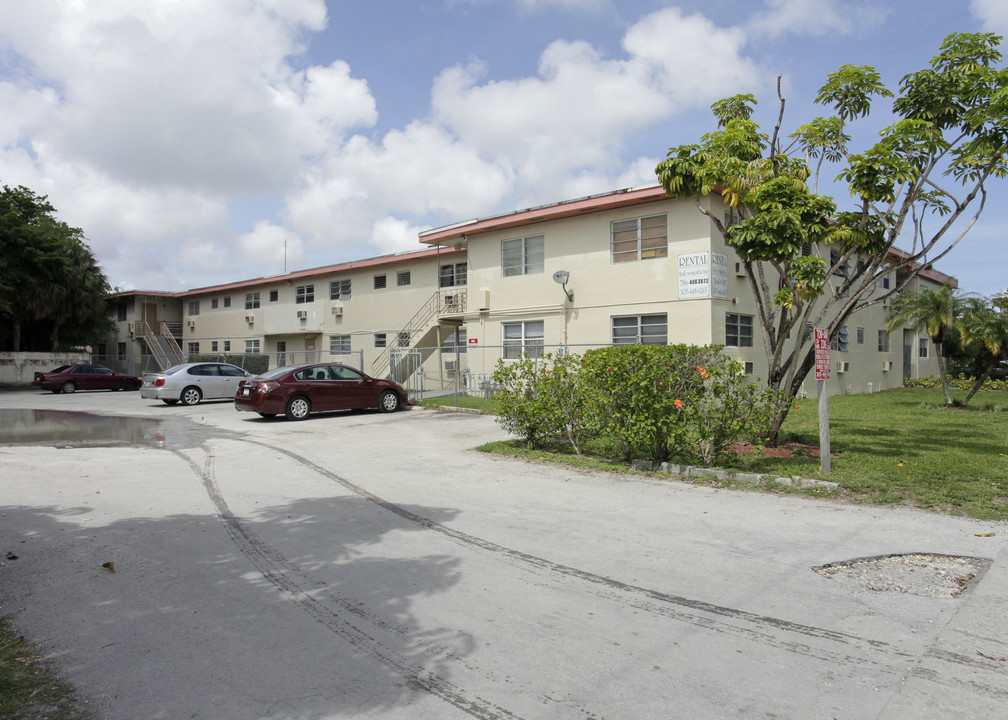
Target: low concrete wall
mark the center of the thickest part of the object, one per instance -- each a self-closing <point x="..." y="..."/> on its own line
<point x="18" y="368"/>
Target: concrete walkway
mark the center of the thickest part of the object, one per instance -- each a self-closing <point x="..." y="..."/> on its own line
<point x="375" y="566"/>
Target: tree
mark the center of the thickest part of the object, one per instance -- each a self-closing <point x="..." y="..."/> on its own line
<point x="934" y="312"/>
<point x="53" y="293"/>
<point x="918" y="184"/>
<point x="984" y="325"/>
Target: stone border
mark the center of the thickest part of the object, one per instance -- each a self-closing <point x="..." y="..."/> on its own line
<point x="693" y="471"/>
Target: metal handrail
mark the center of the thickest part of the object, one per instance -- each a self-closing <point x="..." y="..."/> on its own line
<point x="446" y="301"/>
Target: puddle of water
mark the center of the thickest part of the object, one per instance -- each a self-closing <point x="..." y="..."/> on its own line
<point x="64" y="429"/>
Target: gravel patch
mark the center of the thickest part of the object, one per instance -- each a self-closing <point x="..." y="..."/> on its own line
<point x="939" y="576"/>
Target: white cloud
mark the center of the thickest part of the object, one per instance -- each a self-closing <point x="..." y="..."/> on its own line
<point x="391" y="235"/>
<point x="272" y="248"/>
<point x="815" y="17"/>
<point x="993" y="13"/>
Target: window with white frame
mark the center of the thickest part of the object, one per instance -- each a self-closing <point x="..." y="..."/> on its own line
<point x="455" y="341"/>
<point x="922" y="347"/>
<point x="643" y="329"/>
<point x="194" y="307"/>
<point x="193" y="348"/>
<point x="379" y="340"/>
<point x="227" y="301"/>
<point x="452" y="275"/>
<point x="640" y="238"/>
<point x="403" y="278"/>
<point x="213" y="346"/>
<point x="251" y="346"/>
<point x="860" y="336"/>
<point x="251" y="300"/>
<point x="523" y="339"/>
<point x="883" y="341"/>
<point x="304" y="294"/>
<point x="738" y="330"/>
<point x="339" y="344"/>
<point x="523" y="256"/>
<point x="227" y="346"/>
<point x="339" y="290"/>
<point x="274" y="295"/>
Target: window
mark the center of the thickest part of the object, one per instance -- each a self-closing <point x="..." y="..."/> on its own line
<point x="643" y="329"/>
<point x="523" y="338"/>
<point x="380" y="282"/>
<point x="339" y="344"/>
<point x="194" y="307"/>
<point x="455" y="342"/>
<point x="193" y="348"/>
<point x="748" y="367"/>
<point x="523" y="256"/>
<point x="252" y="301"/>
<point x="213" y="346"/>
<point x="304" y="294"/>
<point x="120" y="350"/>
<point x="883" y="341"/>
<point x="403" y="278"/>
<point x="860" y="336"/>
<point x="121" y="312"/>
<point x="379" y="340"/>
<point x="227" y="346"/>
<point x="213" y="303"/>
<point x="839" y="341"/>
<point x="640" y="238"/>
<point x="274" y="295"/>
<point x="339" y="290"/>
<point x="403" y="339"/>
<point x="922" y="347"/>
<point x="251" y="346"/>
<point x="452" y="275"/>
<point x="883" y="282"/>
<point x="227" y="302"/>
<point x="738" y="330"/>
<point x="834" y="258"/>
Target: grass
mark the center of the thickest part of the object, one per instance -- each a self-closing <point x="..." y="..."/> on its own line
<point x="900" y="446"/>
<point x="29" y="688"/>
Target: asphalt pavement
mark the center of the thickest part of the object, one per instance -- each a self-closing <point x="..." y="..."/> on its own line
<point x="197" y="562"/>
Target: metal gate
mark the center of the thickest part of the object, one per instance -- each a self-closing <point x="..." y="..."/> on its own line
<point x="406" y="368"/>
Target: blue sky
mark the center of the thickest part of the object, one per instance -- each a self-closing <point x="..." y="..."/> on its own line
<point x="197" y="141"/>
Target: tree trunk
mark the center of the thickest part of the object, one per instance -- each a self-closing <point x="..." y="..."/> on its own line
<point x="942" y="371"/>
<point x="980" y="381"/>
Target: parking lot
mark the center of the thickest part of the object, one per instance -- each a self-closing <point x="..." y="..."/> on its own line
<point x="374" y="565"/>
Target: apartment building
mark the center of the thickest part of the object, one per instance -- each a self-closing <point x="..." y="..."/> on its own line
<point x="626" y="266"/>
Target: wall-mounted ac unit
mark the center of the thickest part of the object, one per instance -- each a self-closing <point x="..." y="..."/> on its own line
<point x="739" y="270"/>
<point x="842" y="366"/>
<point x="250" y="319"/>
<point x="449" y="300"/>
<point x="191" y="323"/>
<point x="337" y="310"/>
<point x="302" y="314"/>
<point x="886" y="365"/>
<point x="132" y="328"/>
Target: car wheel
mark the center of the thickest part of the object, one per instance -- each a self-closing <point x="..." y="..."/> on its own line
<point x="191" y="395"/>
<point x="128" y="385"/>
<point x="172" y="401"/>
<point x="298" y="408"/>
<point x="68" y="387"/>
<point x="268" y="415"/>
<point x="389" y="401"/>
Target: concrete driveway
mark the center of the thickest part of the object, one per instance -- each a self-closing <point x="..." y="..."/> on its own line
<point x="375" y="566"/>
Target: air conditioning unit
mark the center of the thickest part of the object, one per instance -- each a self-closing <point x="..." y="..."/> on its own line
<point x="886" y="365"/>
<point x="132" y="328"/>
<point x="190" y="323"/>
<point x="250" y="319"/>
<point x="739" y="270"/>
<point x="337" y="310"/>
<point x="449" y="300"/>
<point x="842" y="366"/>
<point x="302" y="314"/>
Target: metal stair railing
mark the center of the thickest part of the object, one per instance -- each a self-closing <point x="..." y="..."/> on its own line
<point x="144" y="331"/>
<point x="169" y="336"/>
<point x="444" y="301"/>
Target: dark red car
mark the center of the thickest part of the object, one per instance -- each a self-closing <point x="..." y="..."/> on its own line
<point x="70" y="378"/>
<point x="297" y="390"/>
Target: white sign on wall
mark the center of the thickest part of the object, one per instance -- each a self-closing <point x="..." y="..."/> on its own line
<point x="703" y="275"/>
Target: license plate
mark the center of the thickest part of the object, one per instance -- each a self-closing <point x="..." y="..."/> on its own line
<point x="245" y="392"/>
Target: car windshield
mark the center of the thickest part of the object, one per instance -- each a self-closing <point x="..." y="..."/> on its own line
<point x="60" y="369"/>
<point x="172" y="370"/>
<point x="277" y="372"/>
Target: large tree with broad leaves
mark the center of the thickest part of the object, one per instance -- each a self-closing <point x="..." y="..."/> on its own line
<point x="915" y="192"/>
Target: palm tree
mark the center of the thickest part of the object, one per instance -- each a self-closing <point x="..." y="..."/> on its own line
<point x="985" y="323"/>
<point x="934" y="312"/>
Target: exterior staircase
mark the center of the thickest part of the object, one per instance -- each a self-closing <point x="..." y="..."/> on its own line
<point x="162" y="345"/>
<point x="446" y="307"/>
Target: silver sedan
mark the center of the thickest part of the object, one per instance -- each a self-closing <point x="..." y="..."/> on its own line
<point x="191" y="382"/>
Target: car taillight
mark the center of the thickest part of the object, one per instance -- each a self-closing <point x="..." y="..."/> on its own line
<point x="268" y="386"/>
<point x="159" y="382"/>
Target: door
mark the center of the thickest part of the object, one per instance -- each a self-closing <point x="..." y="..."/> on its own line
<point x="230" y="377"/>
<point x="281" y="353"/>
<point x="208" y="379"/>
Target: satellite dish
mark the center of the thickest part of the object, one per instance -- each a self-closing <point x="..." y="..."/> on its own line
<point x="560" y="277"/>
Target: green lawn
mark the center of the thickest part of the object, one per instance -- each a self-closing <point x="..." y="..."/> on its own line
<point x="897" y="446"/>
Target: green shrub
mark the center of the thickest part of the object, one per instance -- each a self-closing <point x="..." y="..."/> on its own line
<point x="956" y="382"/>
<point x="252" y="362"/>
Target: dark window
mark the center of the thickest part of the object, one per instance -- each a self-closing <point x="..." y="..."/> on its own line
<point x="304" y="294"/>
<point x="274" y="295"/>
<point x="403" y="277"/>
<point x="453" y="275"/>
<point x="339" y="290"/>
<point x="379" y="282"/>
<point x="252" y="301"/>
<point x="738" y="330"/>
<point x="643" y="329"/>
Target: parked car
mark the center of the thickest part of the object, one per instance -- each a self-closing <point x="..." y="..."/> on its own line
<point x="189" y="383"/>
<point x="297" y="390"/>
<point x="71" y="378"/>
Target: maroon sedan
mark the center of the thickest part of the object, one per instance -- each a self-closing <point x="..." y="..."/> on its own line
<point x="70" y="378"/>
<point x="297" y="390"/>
